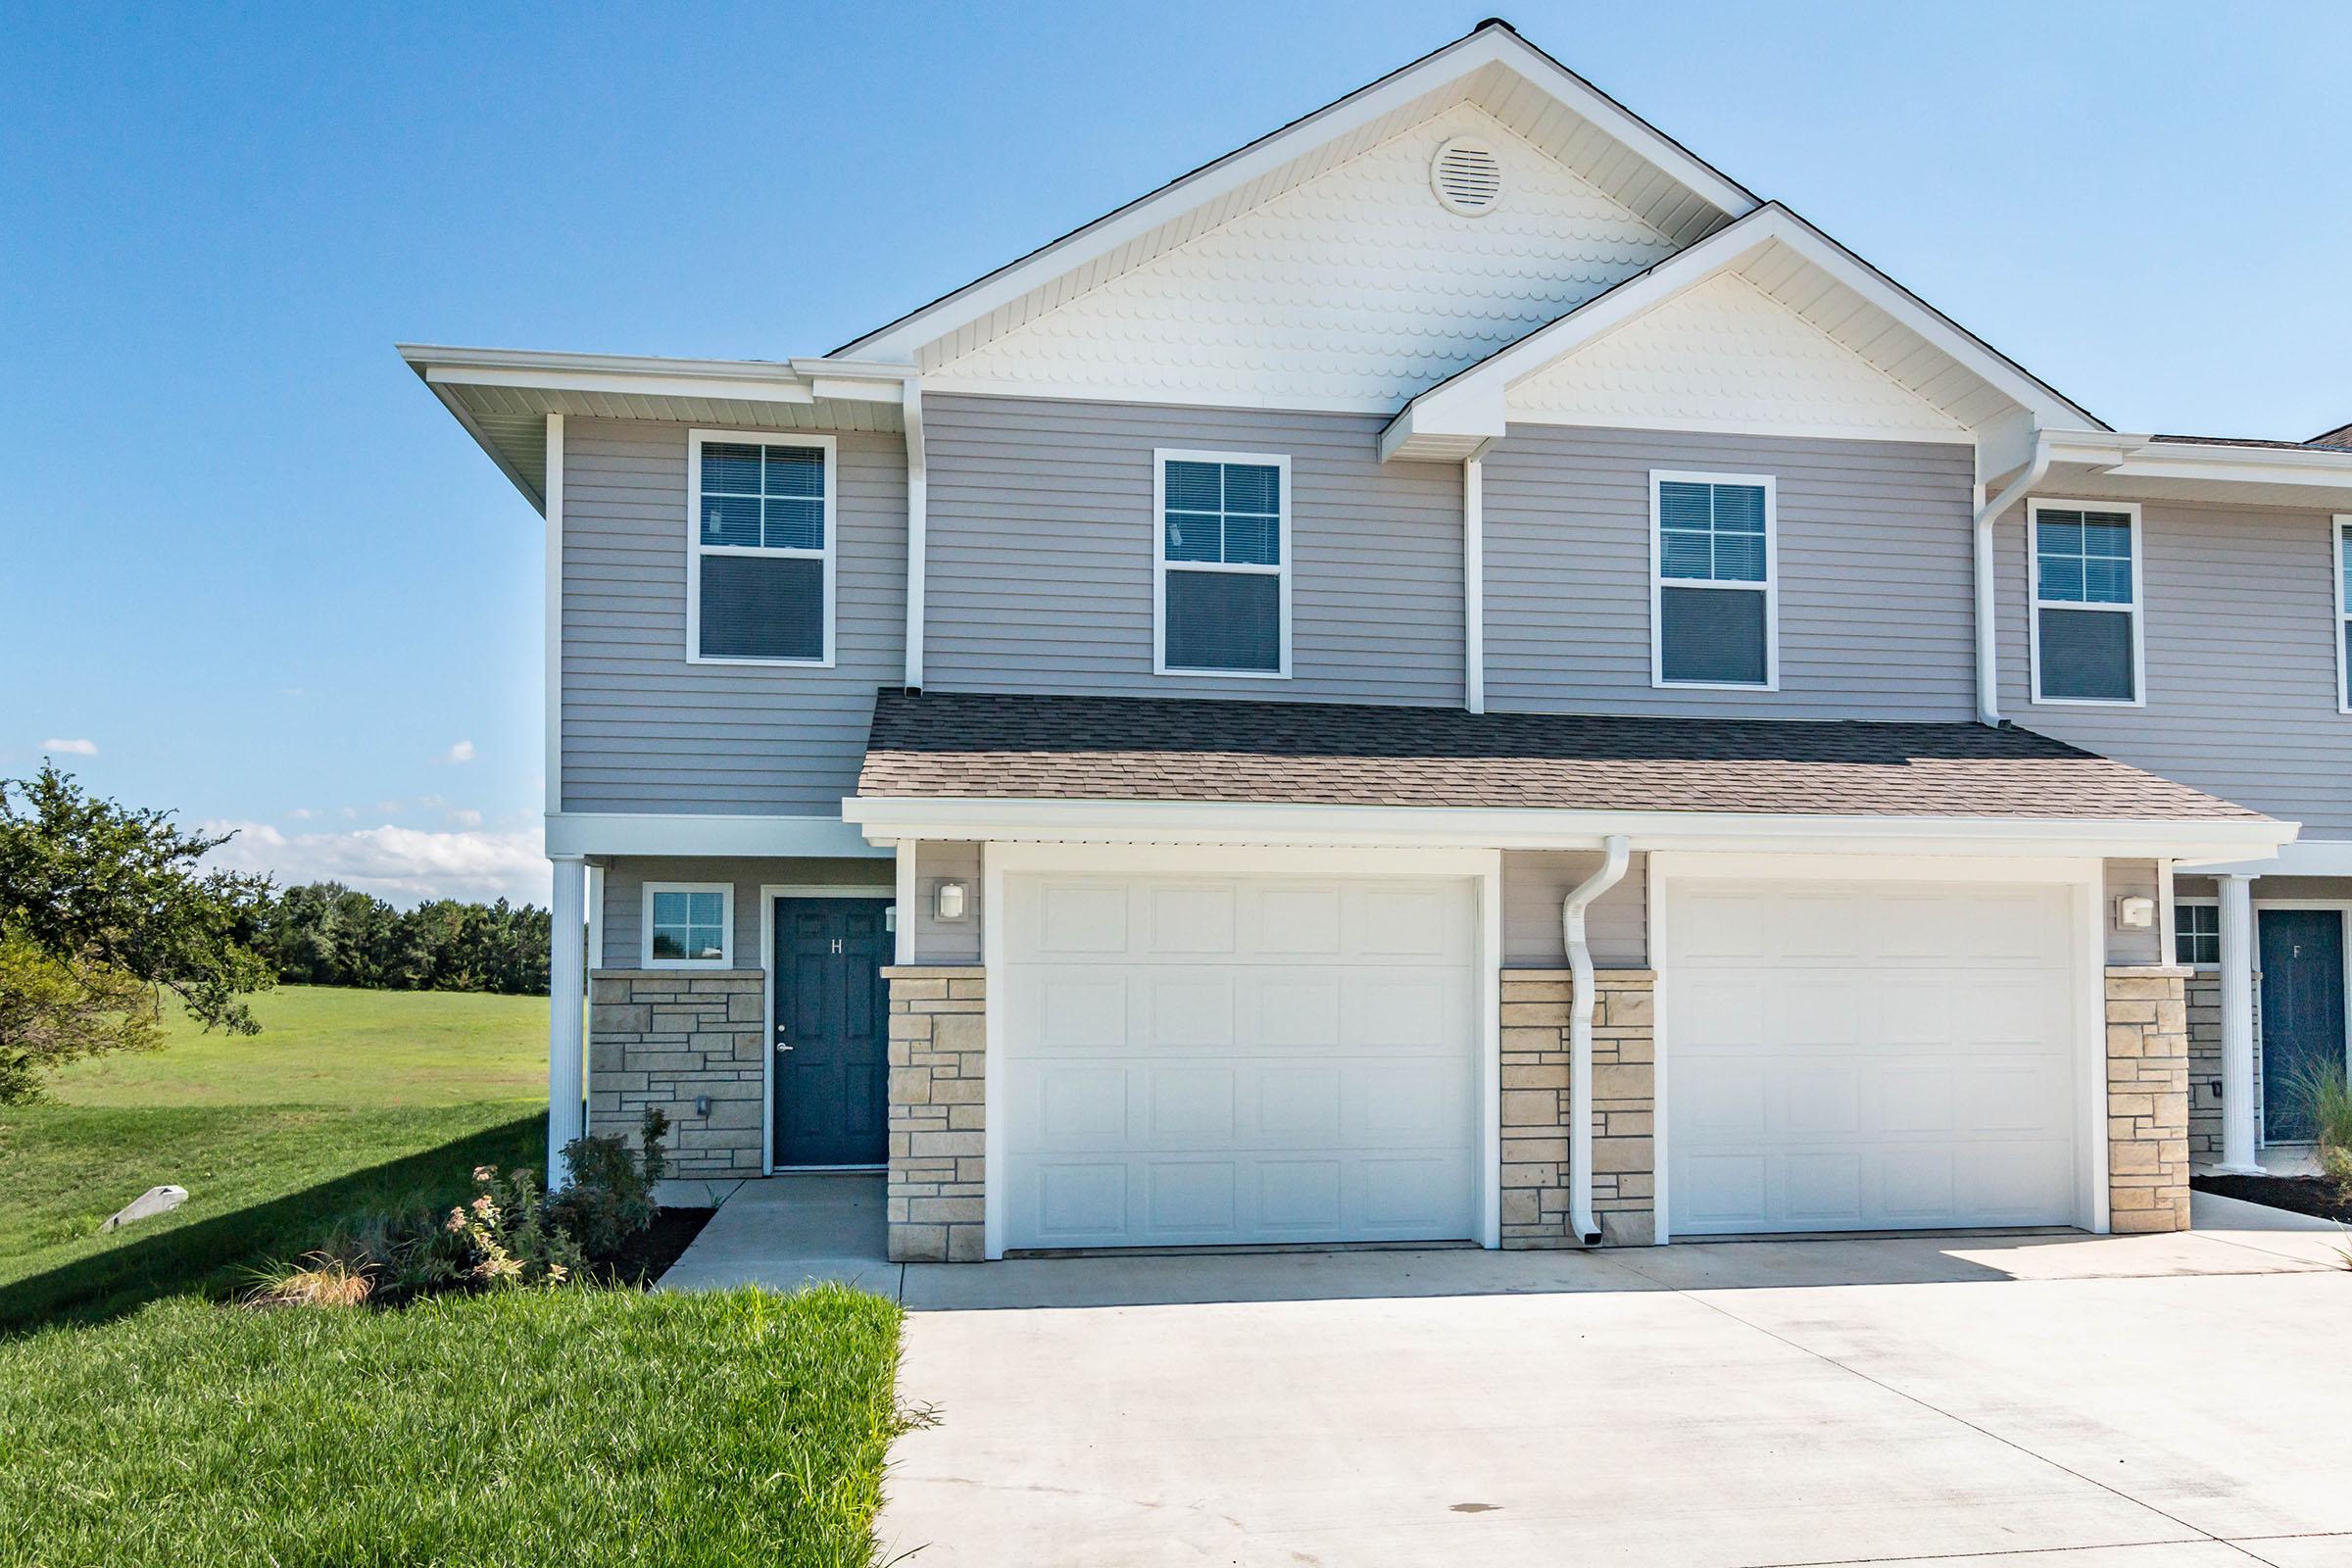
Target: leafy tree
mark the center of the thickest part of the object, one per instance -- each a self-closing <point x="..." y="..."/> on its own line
<point x="102" y="910"/>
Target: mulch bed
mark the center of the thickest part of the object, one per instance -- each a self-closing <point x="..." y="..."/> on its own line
<point x="648" y="1253"/>
<point x="2305" y="1194"/>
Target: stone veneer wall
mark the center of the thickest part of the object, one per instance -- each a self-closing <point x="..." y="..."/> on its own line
<point x="2147" y="1099"/>
<point x="938" y="1114"/>
<point x="659" y="1039"/>
<point x="1536" y="1099"/>
<point x="2204" y="988"/>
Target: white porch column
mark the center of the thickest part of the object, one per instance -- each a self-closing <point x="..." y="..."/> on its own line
<point x="2238" y="1142"/>
<point x="566" y="1013"/>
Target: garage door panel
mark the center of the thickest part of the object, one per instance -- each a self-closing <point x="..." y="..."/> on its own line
<point x="1928" y="1082"/>
<point x="1076" y="919"/>
<point x="1296" y="1060"/>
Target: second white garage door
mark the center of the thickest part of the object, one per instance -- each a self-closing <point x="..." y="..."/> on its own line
<point x="1213" y="1060"/>
<point x="1868" y="1056"/>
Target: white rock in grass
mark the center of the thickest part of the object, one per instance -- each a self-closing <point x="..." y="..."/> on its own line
<point x="149" y="1203"/>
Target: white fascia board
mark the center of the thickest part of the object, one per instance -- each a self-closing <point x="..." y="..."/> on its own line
<point x="2303" y="857"/>
<point x="1464" y="57"/>
<point x="1466" y="400"/>
<point x="714" y="834"/>
<point x="2132" y="457"/>
<point x="889" y="818"/>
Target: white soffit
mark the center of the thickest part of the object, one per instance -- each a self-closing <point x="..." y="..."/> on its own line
<point x="2098" y="465"/>
<point x="1544" y="108"/>
<point x="1725" y="354"/>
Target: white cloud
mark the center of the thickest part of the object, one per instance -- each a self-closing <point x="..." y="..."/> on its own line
<point x="404" y="864"/>
<point x="464" y="817"/>
<point x="463" y="752"/>
<point x="71" y="748"/>
<point x="301" y="813"/>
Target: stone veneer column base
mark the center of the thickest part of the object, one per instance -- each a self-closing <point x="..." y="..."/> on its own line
<point x="938" y="1112"/>
<point x="1536" y="1101"/>
<point x="659" y="1040"/>
<point x="2148" y="1098"/>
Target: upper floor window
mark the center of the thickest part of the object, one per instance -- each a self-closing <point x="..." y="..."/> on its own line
<point x="2344" y="615"/>
<point x="689" y="923"/>
<point x="1223" y="579"/>
<point x="2197" y="934"/>
<point x="759" y="557"/>
<point x="1714" y="607"/>
<point x="2086" y="632"/>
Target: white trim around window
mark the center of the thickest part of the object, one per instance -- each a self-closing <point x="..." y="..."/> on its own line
<point x="696" y="549"/>
<point x="1161" y="565"/>
<point x="2190" y="929"/>
<point x="2338" y="527"/>
<point x="1770" y="587"/>
<point x="2035" y="603"/>
<point x="652" y="891"/>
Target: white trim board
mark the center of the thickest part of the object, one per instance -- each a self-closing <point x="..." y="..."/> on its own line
<point x="715" y="833"/>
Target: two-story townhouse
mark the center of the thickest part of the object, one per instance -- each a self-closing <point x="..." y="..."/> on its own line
<point x="1452" y="674"/>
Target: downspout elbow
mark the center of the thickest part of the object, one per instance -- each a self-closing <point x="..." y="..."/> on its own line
<point x="1617" y="853"/>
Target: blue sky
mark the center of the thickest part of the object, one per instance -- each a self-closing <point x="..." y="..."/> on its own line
<point x="258" y="570"/>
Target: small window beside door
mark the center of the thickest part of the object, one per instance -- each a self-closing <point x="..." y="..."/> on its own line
<point x="2197" y="934"/>
<point x="1714" y="584"/>
<point x="689" y="925"/>
<point x="2086" y="632"/>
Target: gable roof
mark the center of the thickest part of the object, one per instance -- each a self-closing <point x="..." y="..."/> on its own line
<point x="1844" y="297"/>
<point x="1491" y="66"/>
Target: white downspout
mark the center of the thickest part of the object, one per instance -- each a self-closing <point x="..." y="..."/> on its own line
<point x="1474" y="584"/>
<point x="1580" y="1035"/>
<point x="1988" y="664"/>
<point x="918" y="531"/>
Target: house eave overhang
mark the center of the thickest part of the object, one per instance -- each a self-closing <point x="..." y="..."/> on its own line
<point x="888" y="820"/>
<point x="500" y="396"/>
<point x="2104" y="464"/>
<point x="1472" y="404"/>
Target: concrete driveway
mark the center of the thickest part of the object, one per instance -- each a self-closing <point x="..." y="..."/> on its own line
<point x="2059" y="1401"/>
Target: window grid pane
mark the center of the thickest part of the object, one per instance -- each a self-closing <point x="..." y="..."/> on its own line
<point x="1222" y="514"/>
<point x="2197" y="934"/>
<point x="689" y="925"/>
<point x="1710" y="532"/>
<point x="2083" y="557"/>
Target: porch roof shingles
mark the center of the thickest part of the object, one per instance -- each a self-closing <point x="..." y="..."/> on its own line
<point x="984" y="746"/>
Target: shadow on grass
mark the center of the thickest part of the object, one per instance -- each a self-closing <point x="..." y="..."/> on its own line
<point x="212" y="1258"/>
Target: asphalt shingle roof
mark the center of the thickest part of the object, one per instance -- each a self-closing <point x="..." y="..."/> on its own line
<point x="942" y="744"/>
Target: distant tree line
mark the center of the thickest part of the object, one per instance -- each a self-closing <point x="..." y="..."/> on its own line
<point x="326" y="934"/>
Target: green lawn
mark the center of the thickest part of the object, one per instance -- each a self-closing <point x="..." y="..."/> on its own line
<point x="583" y="1426"/>
<point x="141" y="1421"/>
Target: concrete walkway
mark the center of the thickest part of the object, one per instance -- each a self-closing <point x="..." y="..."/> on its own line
<point x="785" y="1232"/>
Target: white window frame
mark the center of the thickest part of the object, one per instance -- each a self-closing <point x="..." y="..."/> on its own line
<point x="2138" y="609"/>
<point x="1659" y="479"/>
<point x="1161" y="457"/>
<point x="696" y="549"/>
<point x="727" y="919"/>
<point x="2174" y="955"/>
<point x="2335" y="534"/>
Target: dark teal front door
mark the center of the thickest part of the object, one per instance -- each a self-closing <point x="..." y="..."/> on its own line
<point x="2302" y="958"/>
<point x="832" y="1031"/>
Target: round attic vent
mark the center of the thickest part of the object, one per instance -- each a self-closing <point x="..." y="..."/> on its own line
<point x="1467" y="178"/>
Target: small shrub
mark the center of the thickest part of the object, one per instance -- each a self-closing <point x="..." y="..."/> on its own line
<point x="2321" y="1091"/>
<point x="323" y="1279"/>
<point x="610" y="1197"/>
<point x="513" y="1238"/>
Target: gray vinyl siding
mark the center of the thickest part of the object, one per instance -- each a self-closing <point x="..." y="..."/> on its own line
<point x="646" y="731"/>
<point x="2241" y="630"/>
<point x="1535" y="884"/>
<point x="1039" y="567"/>
<point x="1875" y="546"/>
<point x="2133" y="879"/>
<point x="625" y="894"/>
<point x="939" y="941"/>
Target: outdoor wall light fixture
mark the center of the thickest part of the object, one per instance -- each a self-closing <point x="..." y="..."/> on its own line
<point x="702" y="1104"/>
<point x="2135" y="914"/>
<point x="947" y="902"/>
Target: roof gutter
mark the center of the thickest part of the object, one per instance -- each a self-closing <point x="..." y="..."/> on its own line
<point x="1988" y="663"/>
<point x="1617" y="850"/>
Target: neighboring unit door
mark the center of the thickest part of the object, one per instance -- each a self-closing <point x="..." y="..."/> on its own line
<point x="1868" y="1056"/>
<point x="831" y="1033"/>
<point x="1211" y="1060"/>
<point x="2302" y="958"/>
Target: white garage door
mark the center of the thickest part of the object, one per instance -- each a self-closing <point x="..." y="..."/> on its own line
<point x="1206" y="1060"/>
<point x="1867" y="1056"/>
